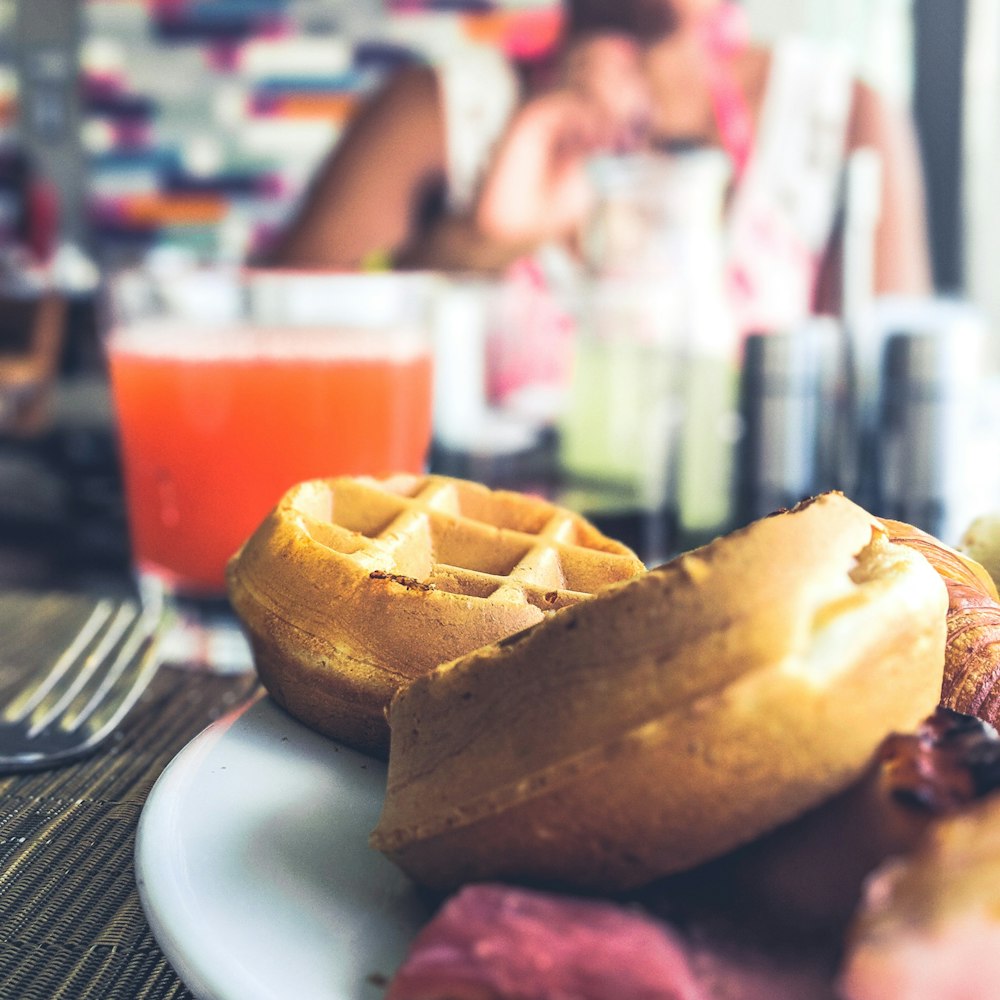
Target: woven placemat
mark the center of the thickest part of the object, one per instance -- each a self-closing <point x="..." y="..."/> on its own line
<point x="71" y="924"/>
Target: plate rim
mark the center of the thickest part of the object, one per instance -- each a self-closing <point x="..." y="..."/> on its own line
<point x="165" y="891"/>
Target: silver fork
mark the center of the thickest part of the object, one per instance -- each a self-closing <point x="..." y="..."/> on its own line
<point x="86" y="693"/>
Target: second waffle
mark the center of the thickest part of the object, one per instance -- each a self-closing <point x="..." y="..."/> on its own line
<point x="353" y="586"/>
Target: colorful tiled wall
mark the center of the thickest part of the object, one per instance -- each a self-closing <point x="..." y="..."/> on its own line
<point x="204" y="119"/>
<point x="12" y="165"/>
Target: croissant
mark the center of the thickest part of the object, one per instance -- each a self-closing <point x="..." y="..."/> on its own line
<point x="972" y="657"/>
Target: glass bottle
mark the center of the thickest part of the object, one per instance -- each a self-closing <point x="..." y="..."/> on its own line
<point x="651" y="419"/>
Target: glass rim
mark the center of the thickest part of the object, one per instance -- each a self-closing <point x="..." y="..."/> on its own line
<point x="216" y="300"/>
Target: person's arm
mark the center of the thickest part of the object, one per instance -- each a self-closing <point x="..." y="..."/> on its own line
<point x="365" y="198"/>
<point x="536" y="188"/>
<point x="365" y="202"/>
<point x="458" y="243"/>
<point x="902" y="255"/>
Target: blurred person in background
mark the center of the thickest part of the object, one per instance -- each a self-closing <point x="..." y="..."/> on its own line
<point x="472" y="165"/>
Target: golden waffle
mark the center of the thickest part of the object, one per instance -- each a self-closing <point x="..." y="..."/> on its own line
<point x="672" y="717"/>
<point x="354" y="586"/>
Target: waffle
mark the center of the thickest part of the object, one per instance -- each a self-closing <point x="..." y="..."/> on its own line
<point x="352" y="587"/>
<point x="671" y="718"/>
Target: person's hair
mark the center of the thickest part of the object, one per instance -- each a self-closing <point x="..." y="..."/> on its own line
<point x="644" y="20"/>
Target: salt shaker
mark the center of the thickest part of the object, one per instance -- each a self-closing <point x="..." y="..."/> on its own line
<point x="786" y="407"/>
<point x="930" y="382"/>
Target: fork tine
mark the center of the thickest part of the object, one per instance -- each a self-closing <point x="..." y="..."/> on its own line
<point x="22" y="706"/>
<point x="120" y="680"/>
<point x="136" y="666"/>
<point x="79" y="716"/>
<point x="60" y="696"/>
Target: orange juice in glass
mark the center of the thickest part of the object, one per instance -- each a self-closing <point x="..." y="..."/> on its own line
<point x="230" y="387"/>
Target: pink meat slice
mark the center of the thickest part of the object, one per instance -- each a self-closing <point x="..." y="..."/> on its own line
<point x="493" y="942"/>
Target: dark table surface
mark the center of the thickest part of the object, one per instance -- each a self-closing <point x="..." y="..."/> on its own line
<point x="71" y="921"/>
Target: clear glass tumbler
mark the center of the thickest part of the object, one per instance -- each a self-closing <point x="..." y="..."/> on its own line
<point x="229" y="387"/>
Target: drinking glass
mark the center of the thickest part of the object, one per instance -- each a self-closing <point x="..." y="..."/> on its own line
<point x="229" y="387"/>
<point x="648" y="432"/>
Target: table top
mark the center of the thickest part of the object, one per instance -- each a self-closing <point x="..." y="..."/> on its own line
<point x="71" y="923"/>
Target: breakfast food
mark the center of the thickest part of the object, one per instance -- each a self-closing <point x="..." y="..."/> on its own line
<point x="497" y="942"/>
<point x="803" y="881"/>
<point x="971" y="681"/>
<point x="929" y="928"/>
<point x="972" y="666"/>
<point x="763" y="923"/>
<point x="353" y="586"/>
<point x="501" y="941"/>
<point x="953" y="565"/>
<point x="981" y="542"/>
<point x="674" y="716"/>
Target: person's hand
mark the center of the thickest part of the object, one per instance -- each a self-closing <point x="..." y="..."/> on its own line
<point x="536" y="189"/>
<point x="606" y="72"/>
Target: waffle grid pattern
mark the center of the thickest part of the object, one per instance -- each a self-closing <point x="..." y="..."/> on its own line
<point x="463" y="538"/>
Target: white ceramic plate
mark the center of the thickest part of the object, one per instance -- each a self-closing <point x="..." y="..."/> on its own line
<point x="254" y="871"/>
